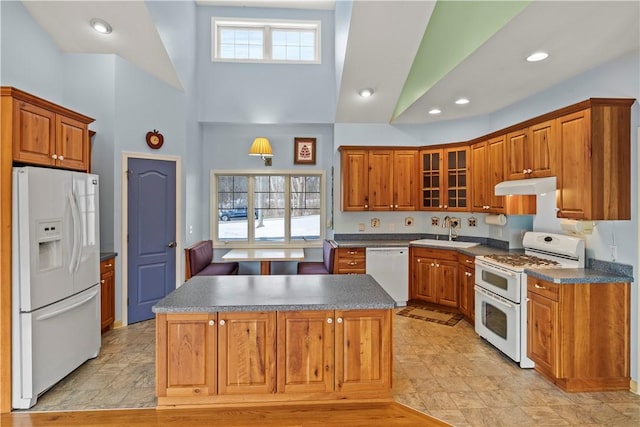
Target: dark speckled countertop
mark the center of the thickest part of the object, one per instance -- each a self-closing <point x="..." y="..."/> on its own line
<point x="210" y="294"/>
<point x="106" y="255"/>
<point x="598" y="271"/>
<point x="577" y="275"/>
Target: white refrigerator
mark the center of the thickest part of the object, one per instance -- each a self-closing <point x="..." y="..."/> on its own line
<point x="55" y="278"/>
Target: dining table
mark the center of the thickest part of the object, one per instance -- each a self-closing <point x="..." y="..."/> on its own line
<point x="264" y="256"/>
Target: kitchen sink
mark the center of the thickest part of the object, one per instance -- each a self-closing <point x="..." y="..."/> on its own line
<point x="444" y="243"/>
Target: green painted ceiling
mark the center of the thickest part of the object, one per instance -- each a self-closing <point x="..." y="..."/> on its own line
<point x="455" y="30"/>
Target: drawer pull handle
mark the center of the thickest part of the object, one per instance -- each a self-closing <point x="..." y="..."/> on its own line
<point x="352" y="252"/>
<point x="108" y="265"/>
<point x="540" y="287"/>
<point x="353" y="263"/>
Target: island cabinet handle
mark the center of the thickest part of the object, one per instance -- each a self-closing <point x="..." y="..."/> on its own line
<point x="222" y="322"/>
<point x="329" y="320"/>
<point x="353" y="262"/>
<point x="339" y="320"/>
<point x="211" y="322"/>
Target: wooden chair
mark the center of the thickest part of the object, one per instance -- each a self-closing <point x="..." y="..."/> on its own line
<point x="199" y="262"/>
<point x="320" y="267"/>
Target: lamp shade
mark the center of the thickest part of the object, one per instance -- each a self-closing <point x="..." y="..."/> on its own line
<point x="261" y="147"/>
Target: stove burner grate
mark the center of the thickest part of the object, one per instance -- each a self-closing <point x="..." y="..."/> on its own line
<point x="523" y="260"/>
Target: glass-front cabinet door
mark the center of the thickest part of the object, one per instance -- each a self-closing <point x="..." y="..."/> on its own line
<point x="431" y="173"/>
<point x="456" y="193"/>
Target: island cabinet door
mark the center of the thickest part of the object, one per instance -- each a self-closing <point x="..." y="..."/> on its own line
<point x="186" y="355"/>
<point x="363" y="350"/>
<point x="305" y="351"/>
<point x="246" y="353"/>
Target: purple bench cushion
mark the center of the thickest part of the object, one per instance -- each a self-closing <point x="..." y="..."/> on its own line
<point x="312" y="268"/>
<point x="219" y="269"/>
<point x="200" y="256"/>
<point x="327" y="256"/>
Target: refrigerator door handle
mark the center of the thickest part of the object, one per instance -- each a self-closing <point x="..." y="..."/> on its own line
<point x="81" y="237"/>
<point x="76" y="239"/>
<point x="69" y="308"/>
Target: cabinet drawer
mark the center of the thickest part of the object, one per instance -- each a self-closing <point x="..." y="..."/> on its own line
<point x="541" y="287"/>
<point x="108" y="265"/>
<point x="439" y="254"/>
<point x="466" y="260"/>
<point x="351" y="253"/>
<point x="351" y="265"/>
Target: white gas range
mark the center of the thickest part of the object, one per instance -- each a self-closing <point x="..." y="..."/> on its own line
<point x="501" y="289"/>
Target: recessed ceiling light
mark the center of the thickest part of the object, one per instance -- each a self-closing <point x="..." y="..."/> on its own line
<point x="462" y="101"/>
<point x="366" y="92"/>
<point x="537" y="56"/>
<point x="435" y="111"/>
<point x="100" y="26"/>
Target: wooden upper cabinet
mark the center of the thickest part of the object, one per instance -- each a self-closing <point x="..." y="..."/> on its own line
<point x="595" y="162"/>
<point x="444" y="173"/>
<point x="355" y="180"/>
<point x="34" y="134"/>
<point x="72" y="143"/>
<point x="378" y="179"/>
<point x="46" y="134"/>
<point x="405" y="185"/>
<point x="488" y="160"/>
<point x="532" y="152"/>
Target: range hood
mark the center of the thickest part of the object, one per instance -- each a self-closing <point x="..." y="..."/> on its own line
<point x="526" y="186"/>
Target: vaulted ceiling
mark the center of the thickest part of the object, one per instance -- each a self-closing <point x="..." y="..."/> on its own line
<point x="416" y="55"/>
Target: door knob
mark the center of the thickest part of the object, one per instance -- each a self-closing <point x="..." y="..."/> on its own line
<point x="171" y="244"/>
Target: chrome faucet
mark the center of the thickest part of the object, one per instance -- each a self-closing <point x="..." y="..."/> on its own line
<point x="446" y="222"/>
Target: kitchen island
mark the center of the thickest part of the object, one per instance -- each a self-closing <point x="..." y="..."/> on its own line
<point x="255" y="340"/>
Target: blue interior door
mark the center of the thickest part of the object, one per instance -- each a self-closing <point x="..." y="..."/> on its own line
<point x="152" y="235"/>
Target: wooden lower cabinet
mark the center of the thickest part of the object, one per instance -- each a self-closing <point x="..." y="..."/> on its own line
<point x="466" y="291"/>
<point x="246" y="353"/>
<point x="260" y="357"/>
<point x="434" y="276"/>
<point x="350" y="261"/>
<point x="107" y="294"/>
<point x="578" y="334"/>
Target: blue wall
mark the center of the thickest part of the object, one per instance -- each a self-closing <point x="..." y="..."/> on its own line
<point x="265" y="93"/>
<point x="224" y="106"/>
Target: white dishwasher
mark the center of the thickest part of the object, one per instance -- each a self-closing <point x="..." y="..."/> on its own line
<point x="390" y="268"/>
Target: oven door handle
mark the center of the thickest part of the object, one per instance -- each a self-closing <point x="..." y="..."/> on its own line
<point x="496" y="298"/>
<point x="498" y="271"/>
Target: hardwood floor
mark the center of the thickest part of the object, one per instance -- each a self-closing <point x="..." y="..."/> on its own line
<point x="352" y="415"/>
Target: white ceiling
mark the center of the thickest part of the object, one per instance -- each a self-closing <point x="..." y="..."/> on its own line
<point x="383" y="39"/>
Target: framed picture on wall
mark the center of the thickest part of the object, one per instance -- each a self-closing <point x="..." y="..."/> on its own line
<point x="304" y="151"/>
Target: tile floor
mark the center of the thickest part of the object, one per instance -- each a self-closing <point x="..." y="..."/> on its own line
<point x="447" y="372"/>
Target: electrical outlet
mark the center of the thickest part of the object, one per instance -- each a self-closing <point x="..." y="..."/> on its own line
<point x="361" y="227"/>
<point x="375" y="222"/>
<point x="408" y="221"/>
<point x="613" y="250"/>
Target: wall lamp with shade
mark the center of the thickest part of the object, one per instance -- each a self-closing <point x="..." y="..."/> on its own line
<point x="261" y="147"/>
